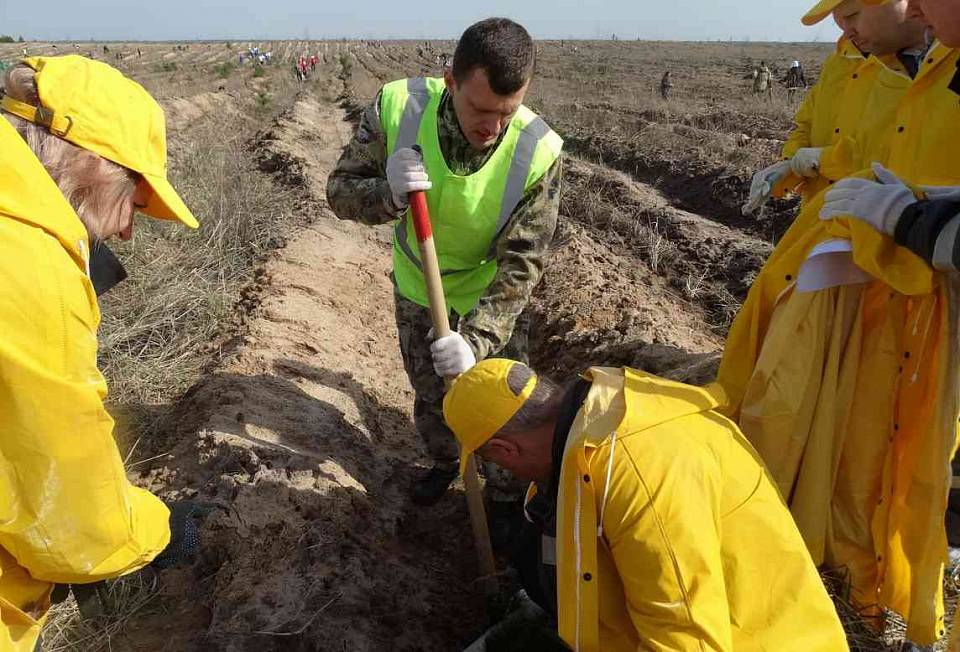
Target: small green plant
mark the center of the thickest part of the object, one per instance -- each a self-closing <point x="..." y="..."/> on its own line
<point x="346" y="65"/>
<point x="263" y="101"/>
<point x="258" y="71"/>
<point x="20" y="40"/>
<point x="224" y="70"/>
<point x="166" y="66"/>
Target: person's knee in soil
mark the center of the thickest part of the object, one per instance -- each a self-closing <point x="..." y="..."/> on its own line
<point x="632" y="477"/>
<point x="492" y="252"/>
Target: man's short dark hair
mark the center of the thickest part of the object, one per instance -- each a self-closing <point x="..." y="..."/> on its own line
<point x="501" y="47"/>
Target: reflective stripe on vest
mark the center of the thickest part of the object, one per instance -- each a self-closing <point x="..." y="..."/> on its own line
<point x="516" y="179"/>
<point x="413" y="112"/>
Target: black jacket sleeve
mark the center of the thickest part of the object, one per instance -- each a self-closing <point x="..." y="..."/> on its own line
<point x="930" y="228"/>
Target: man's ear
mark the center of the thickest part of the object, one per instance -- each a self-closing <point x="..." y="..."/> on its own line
<point x="499" y="450"/>
<point x="449" y="80"/>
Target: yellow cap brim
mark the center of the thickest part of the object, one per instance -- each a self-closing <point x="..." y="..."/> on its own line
<point x="165" y="203"/>
<point x="823" y="9"/>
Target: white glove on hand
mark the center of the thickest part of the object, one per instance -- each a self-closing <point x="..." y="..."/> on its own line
<point x="763" y="183"/>
<point x="405" y="174"/>
<point x="879" y="203"/>
<point x="941" y="192"/>
<point x="806" y="162"/>
<point x="452" y="356"/>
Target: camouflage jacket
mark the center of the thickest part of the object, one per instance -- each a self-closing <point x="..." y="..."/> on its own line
<point x="358" y="190"/>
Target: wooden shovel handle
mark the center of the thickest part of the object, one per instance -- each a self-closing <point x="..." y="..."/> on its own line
<point x="441" y="328"/>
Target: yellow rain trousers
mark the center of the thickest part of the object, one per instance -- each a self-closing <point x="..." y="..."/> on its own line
<point x="68" y="513"/>
<point x="671" y="535"/>
<point x="850" y="393"/>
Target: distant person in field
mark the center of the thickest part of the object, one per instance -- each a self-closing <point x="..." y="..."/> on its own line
<point x="653" y="525"/>
<point x="762" y="80"/>
<point x="842" y="366"/>
<point x="845" y="120"/>
<point x="71" y="177"/>
<point x="491" y="170"/>
<point x="795" y="78"/>
<point x="666" y="85"/>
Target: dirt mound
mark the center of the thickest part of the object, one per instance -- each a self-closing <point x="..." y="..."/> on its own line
<point x="181" y="111"/>
<point x="304" y="439"/>
<point x="681" y="162"/>
<point x="707" y="263"/>
<point x="295" y="149"/>
<point x="634" y="318"/>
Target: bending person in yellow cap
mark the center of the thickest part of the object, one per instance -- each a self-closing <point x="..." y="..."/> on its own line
<point x="840" y="127"/>
<point x="668" y="532"/>
<point x="81" y="148"/>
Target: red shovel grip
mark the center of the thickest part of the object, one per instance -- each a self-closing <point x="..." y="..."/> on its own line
<point x="421" y="215"/>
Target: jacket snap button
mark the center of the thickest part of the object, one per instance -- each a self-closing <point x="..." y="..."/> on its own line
<point x="586" y="478"/>
<point x="587" y="577"/>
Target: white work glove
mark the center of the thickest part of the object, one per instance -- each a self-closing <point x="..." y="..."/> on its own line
<point x="451" y="356"/>
<point x="806" y="162"/>
<point x="405" y="174"/>
<point x="879" y="203"/>
<point x="763" y="183"/>
<point x="941" y="192"/>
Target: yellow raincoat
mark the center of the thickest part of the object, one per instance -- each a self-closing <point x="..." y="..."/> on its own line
<point x="825" y="105"/>
<point x="68" y="513"/>
<point x="670" y="534"/>
<point x="850" y="393"/>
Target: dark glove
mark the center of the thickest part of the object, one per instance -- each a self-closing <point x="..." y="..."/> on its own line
<point x="106" y="270"/>
<point x="93" y="599"/>
<point x="184" y="535"/>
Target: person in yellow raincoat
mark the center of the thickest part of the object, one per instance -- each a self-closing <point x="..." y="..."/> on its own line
<point x="665" y="530"/>
<point x="859" y="85"/>
<point x="81" y="147"/>
<point x="842" y="370"/>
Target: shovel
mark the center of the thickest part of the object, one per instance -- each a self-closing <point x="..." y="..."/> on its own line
<point x="441" y="327"/>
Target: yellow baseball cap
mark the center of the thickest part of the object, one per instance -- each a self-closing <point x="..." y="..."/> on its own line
<point x="822" y="9"/>
<point x="480" y="403"/>
<point x="93" y="106"/>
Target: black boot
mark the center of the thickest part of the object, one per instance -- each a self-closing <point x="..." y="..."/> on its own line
<point x="432" y="486"/>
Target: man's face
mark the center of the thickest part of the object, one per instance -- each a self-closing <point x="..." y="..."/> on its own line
<point x="943" y="16"/>
<point x="878" y="29"/>
<point x="482" y="113"/>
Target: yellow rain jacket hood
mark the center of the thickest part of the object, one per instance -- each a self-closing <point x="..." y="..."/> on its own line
<point x="670" y="534"/>
<point x="850" y="393"/>
<point x="68" y="513"/>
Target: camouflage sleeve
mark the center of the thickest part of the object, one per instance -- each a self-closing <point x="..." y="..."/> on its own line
<point x="357" y="189"/>
<point x="521" y="251"/>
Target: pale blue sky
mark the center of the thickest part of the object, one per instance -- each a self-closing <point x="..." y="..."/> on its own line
<point x="757" y="20"/>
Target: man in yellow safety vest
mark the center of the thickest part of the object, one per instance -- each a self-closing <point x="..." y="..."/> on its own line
<point x="490" y="168"/>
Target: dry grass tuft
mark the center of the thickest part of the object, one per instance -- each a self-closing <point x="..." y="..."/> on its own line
<point x="183" y="283"/>
<point x="130" y="596"/>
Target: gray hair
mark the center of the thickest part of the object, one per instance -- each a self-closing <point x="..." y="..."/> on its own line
<point x="540" y="409"/>
<point x="94" y="186"/>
